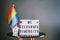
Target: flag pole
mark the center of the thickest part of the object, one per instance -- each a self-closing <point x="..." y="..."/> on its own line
<point x="13" y="5"/>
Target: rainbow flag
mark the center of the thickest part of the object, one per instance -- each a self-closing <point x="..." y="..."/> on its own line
<point x="13" y="17"/>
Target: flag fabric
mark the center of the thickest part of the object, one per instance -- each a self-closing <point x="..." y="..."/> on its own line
<point x="13" y="17"/>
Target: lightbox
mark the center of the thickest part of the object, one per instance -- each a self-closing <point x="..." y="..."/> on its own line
<point x="28" y="28"/>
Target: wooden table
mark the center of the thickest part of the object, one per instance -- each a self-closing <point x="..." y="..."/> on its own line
<point x="30" y="39"/>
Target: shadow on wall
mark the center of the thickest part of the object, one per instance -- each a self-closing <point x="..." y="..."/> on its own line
<point x="56" y="34"/>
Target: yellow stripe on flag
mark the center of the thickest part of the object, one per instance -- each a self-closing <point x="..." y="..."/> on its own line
<point x="12" y="14"/>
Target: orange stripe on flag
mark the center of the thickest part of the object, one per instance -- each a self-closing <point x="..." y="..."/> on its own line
<point x="11" y="14"/>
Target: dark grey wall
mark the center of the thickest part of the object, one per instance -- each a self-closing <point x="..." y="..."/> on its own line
<point x="47" y="11"/>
